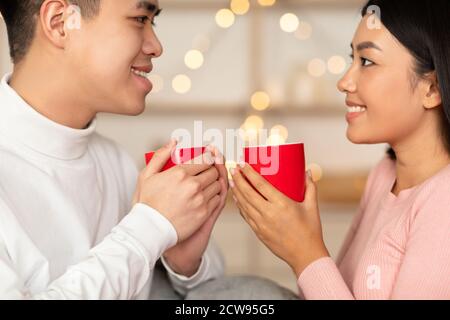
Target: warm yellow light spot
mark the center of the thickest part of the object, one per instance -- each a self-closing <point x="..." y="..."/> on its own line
<point x="275" y="140"/>
<point x="253" y="122"/>
<point x="260" y="100"/>
<point x="304" y="31"/>
<point x="317" y="68"/>
<point x="316" y="171"/>
<point x="193" y="59"/>
<point x="337" y="65"/>
<point x="289" y="22"/>
<point x="225" y="18"/>
<point x="181" y="84"/>
<point x="267" y="3"/>
<point x="280" y="130"/>
<point x="240" y="7"/>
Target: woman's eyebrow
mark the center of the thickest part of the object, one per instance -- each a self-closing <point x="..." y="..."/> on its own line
<point x="366" y="45"/>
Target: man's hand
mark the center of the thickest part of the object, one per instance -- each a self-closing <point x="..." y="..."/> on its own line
<point x="185" y="257"/>
<point x="186" y="195"/>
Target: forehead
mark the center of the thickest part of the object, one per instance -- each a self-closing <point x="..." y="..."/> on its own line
<point x="371" y="29"/>
<point x="129" y="5"/>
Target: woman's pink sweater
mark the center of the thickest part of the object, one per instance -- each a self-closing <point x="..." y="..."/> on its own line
<point x="398" y="247"/>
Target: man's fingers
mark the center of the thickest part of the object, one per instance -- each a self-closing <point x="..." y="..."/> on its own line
<point x="207" y="177"/>
<point x="199" y="164"/>
<point x="160" y="158"/>
<point x="212" y="190"/>
<point x="219" y="160"/>
<point x="213" y="203"/>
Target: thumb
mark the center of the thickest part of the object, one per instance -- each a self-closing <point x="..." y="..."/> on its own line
<point x="311" y="189"/>
<point x="160" y="158"/>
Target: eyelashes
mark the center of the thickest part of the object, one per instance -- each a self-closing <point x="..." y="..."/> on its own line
<point x="143" y="20"/>
<point x="363" y="60"/>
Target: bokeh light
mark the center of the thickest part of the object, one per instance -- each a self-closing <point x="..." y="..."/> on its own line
<point x="260" y="101"/>
<point x="289" y="22"/>
<point x="225" y="18"/>
<point x="181" y="84"/>
<point x="240" y="7"/>
<point x="193" y="59"/>
<point x="337" y="65"/>
<point x="266" y="3"/>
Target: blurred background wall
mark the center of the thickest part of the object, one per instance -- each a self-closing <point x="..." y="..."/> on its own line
<point x="258" y="64"/>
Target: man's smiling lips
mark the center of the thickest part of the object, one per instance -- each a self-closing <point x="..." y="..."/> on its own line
<point x="141" y="74"/>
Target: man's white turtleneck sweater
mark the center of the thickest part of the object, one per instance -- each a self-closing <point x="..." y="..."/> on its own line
<point x="66" y="227"/>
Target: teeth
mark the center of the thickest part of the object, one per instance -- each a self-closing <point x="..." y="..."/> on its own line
<point x="139" y="73"/>
<point x="356" y="109"/>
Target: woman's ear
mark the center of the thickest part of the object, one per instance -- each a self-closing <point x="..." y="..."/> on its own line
<point x="52" y="15"/>
<point x="432" y="98"/>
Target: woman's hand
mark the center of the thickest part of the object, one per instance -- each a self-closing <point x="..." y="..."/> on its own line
<point x="291" y="230"/>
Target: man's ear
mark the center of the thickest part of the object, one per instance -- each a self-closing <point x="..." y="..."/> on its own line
<point x="52" y="15"/>
<point x="432" y="98"/>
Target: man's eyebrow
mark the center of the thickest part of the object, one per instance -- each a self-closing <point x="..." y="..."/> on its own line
<point x="366" y="45"/>
<point x="148" y="6"/>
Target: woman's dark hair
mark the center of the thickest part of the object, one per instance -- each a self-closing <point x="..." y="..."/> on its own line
<point x="423" y="27"/>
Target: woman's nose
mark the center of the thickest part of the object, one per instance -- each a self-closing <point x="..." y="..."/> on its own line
<point x="347" y="83"/>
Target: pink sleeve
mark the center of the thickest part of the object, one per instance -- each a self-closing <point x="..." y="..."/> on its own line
<point x="425" y="269"/>
<point x="321" y="280"/>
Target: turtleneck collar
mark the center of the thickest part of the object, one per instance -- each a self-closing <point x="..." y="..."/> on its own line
<point x="19" y="121"/>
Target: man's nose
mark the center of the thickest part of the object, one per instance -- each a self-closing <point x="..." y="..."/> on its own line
<point x="152" y="46"/>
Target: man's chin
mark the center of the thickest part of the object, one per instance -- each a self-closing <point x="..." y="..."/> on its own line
<point x="128" y="109"/>
<point x="136" y="110"/>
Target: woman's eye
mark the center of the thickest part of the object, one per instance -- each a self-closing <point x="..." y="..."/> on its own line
<point x="366" y="62"/>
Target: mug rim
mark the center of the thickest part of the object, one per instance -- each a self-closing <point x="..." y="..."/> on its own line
<point x="278" y="145"/>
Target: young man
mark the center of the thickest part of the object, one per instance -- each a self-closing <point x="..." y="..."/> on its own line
<point x="76" y="222"/>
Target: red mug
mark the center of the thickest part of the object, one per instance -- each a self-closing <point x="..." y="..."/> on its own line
<point x="281" y="165"/>
<point x="179" y="156"/>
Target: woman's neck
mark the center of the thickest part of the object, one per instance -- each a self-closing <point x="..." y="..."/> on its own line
<point x="416" y="165"/>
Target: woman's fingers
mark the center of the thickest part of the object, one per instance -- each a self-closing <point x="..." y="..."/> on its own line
<point x="248" y="219"/>
<point x="247" y="211"/>
<point x="247" y="191"/>
<point x="262" y="185"/>
<point x="311" y="190"/>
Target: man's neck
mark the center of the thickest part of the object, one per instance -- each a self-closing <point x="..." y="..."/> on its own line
<point x="48" y="91"/>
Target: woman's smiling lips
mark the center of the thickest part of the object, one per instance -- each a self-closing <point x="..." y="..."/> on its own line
<point x="354" y="110"/>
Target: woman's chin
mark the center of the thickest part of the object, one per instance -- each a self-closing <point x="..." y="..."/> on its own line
<point x="356" y="138"/>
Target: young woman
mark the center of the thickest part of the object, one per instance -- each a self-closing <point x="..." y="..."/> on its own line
<point x="398" y="92"/>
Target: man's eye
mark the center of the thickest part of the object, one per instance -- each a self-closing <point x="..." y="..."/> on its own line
<point x="142" y="19"/>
